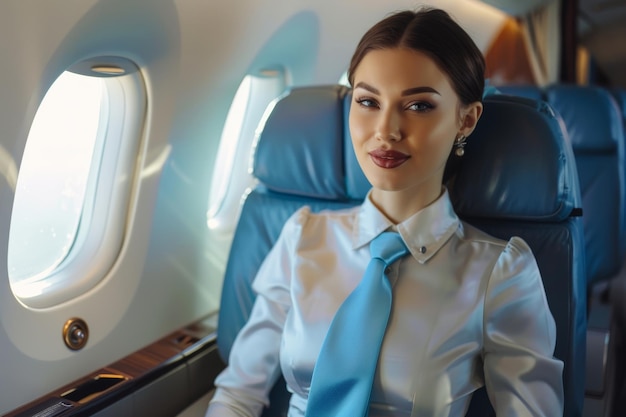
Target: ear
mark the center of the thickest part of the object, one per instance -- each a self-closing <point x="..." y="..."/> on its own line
<point x="469" y="117"/>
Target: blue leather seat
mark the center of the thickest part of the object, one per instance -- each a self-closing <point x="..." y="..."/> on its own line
<point x="594" y="126"/>
<point x="517" y="178"/>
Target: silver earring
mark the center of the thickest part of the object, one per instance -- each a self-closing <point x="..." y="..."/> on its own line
<point x="459" y="145"/>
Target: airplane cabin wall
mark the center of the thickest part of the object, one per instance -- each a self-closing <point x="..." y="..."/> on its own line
<point x="192" y="55"/>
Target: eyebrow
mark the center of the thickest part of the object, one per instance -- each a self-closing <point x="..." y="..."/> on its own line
<point x="407" y="92"/>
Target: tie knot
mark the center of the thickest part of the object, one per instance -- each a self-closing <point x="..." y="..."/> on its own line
<point x="388" y="246"/>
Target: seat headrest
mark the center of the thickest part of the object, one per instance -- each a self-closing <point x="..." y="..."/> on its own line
<point x="516" y="165"/>
<point x="299" y="145"/>
<point x="592" y="117"/>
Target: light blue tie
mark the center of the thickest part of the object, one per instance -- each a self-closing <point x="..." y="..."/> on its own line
<point x="345" y="368"/>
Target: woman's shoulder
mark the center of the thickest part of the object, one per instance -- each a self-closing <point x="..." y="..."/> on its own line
<point x="514" y="245"/>
<point x="306" y="217"/>
<point x="306" y="227"/>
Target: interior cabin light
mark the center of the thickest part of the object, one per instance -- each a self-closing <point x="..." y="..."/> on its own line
<point x="270" y="72"/>
<point x="108" y="69"/>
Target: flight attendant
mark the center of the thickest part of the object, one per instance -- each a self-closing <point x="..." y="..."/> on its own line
<point x="459" y="309"/>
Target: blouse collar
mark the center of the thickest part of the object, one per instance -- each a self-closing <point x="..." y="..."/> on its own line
<point x="424" y="233"/>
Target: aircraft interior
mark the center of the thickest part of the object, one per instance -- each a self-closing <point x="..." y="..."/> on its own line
<point x="152" y="150"/>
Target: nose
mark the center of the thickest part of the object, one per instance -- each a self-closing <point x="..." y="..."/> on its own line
<point x="388" y="126"/>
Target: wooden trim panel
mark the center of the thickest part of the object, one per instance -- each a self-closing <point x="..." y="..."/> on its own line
<point x="158" y="380"/>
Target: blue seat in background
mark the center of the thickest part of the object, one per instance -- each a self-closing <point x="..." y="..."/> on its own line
<point x="595" y="130"/>
<point x="517" y="177"/>
<point x="594" y="127"/>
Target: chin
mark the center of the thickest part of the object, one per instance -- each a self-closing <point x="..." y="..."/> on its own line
<point x="386" y="185"/>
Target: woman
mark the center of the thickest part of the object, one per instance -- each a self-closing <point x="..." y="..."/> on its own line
<point x="468" y="310"/>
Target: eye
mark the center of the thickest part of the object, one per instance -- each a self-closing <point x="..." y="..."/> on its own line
<point x="366" y="102"/>
<point x="421" y="106"/>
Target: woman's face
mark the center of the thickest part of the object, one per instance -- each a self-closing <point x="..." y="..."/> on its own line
<point x="404" y="119"/>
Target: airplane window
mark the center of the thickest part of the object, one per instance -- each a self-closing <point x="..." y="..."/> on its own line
<point x="343" y="80"/>
<point x="231" y="176"/>
<point x="227" y="148"/>
<point x="53" y="176"/>
<point x="62" y="239"/>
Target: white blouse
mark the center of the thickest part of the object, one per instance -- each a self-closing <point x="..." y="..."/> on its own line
<point x="468" y="310"/>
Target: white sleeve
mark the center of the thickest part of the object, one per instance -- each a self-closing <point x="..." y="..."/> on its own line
<point x="253" y="366"/>
<point x="522" y="376"/>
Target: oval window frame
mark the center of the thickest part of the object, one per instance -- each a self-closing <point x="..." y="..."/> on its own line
<point x="103" y="219"/>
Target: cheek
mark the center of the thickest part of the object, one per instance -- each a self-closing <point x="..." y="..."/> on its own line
<point x="358" y="128"/>
<point x="442" y="146"/>
<point x="442" y="132"/>
<point x="432" y="141"/>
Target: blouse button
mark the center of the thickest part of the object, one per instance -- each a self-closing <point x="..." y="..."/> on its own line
<point x="423" y="249"/>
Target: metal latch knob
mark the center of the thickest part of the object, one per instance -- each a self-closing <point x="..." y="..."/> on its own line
<point x="75" y="333"/>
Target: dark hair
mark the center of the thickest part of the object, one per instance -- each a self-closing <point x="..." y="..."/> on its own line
<point x="435" y="33"/>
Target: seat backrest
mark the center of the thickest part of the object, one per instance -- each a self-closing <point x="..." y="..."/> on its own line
<point x="517" y="178"/>
<point x="594" y="126"/>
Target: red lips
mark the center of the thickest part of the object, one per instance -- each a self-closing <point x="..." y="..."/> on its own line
<point x="388" y="159"/>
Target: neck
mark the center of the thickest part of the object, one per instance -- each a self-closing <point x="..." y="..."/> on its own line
<point x="400" y="205"/>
